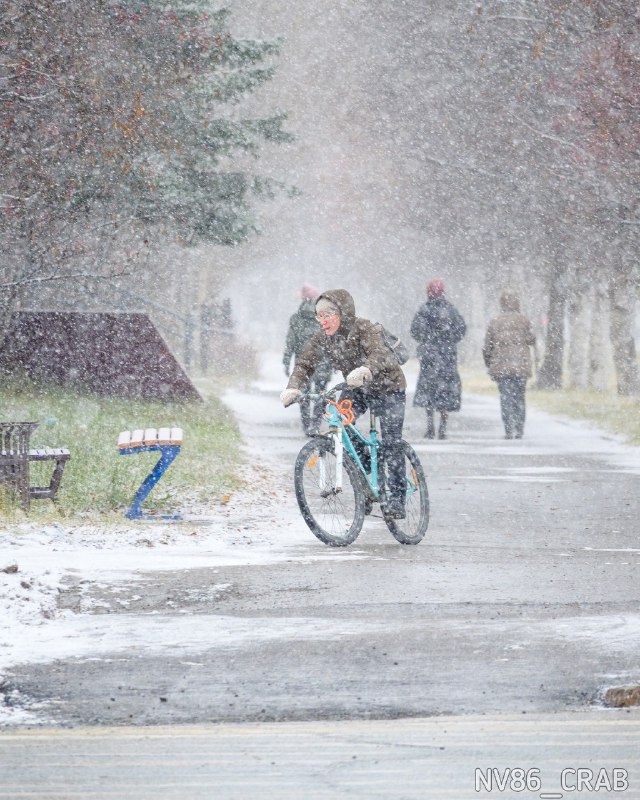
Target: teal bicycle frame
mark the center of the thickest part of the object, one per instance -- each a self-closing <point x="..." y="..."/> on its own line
<point x="336" y="491"/>
<point x="340" y="431"/>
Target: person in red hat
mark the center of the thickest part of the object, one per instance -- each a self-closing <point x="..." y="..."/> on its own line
<point x="438" y="327"/>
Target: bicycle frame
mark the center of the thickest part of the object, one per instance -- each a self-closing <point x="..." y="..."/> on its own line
<point x="339" y="429"/>
<point x="334" y="500"/>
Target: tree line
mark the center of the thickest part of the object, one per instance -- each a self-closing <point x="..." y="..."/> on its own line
<point x="520" y="158"/>
<point x="511" y="126"/>
<point x="120" y="132"/>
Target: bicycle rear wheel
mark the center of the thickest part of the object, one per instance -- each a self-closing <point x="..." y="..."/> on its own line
<point x="413" y="527"/>
<point x="335" y="517"/>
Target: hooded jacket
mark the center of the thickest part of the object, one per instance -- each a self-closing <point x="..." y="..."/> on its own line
<point x="508" y="340"/>
<point x="302" y="325"/>
<point x="357" y="343"/>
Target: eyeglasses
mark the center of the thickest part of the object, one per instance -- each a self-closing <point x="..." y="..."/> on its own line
<point x="326" y="315"/>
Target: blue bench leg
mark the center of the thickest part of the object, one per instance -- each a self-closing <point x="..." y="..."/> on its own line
<point x="169" y="453"/>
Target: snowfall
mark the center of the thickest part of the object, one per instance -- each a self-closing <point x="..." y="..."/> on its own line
<point x="258" y="525"/>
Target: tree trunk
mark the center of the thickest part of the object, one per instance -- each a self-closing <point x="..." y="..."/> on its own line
<point x="550" y="373"/>
<point x="470" y="348"/>
<point x="599" y="342"/>
<point x="622" y="299"/>
<point x="579" y="326"/>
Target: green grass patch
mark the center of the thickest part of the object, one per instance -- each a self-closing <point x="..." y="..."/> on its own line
<point x="606" y="410"/>
<point x="619" y="415"/>
<point x="475" y="380"/>
<point x="97" y="480"/>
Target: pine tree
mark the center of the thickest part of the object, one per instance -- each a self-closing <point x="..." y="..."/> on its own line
<point x="120" y="122"/>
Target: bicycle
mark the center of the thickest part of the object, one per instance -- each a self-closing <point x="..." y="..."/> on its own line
<point x="335" y="492"/>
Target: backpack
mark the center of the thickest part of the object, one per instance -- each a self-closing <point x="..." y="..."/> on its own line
<point x="396" y="345"/>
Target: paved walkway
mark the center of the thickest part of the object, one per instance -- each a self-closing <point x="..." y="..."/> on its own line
<point x="439" y="757"/>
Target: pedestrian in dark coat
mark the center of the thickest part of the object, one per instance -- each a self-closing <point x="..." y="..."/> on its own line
<point x="507" y="355"/>
<point x="302" y="326"/>
<point x="438" y="327"/>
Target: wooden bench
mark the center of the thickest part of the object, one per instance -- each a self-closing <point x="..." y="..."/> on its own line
<point x="16" y="456"/>
<point x="166" y="441"/>
<point x="58" y="454"/>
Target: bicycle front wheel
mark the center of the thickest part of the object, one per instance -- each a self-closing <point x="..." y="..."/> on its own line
<point x="413" y="527"/>
<point x="334" y="514"/>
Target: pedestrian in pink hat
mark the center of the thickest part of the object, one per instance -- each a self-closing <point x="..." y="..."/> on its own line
<point x="438" y="327"/>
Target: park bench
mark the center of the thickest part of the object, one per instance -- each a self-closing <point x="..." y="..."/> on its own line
<point x="16" y="457"/>
<point x="166" y="441"/>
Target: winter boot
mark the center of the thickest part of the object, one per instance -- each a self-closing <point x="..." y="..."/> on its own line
<point x="394" y="508"/>
<point x="442" y="427"/>
<point x="431" y="429"/>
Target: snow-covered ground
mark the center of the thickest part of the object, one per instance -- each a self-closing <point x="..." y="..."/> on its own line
<point x="258" y="525"/>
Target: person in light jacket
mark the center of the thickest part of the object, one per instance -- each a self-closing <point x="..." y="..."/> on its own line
<point x="354" y="346"/>
<point x="507" y="356"/>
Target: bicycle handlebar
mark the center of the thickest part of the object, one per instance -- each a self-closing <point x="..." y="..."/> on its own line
<point x="327" y="394"/>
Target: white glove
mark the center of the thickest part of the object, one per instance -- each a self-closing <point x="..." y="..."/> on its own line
<point x="358" y="376"/>
<point x="289" y="396"/>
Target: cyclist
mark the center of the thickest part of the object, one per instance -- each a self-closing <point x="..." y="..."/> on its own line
<point x="302" y="325"/>
<point x="354" y="346"/>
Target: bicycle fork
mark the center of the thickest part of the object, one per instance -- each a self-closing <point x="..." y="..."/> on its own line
<point x="327" y="487"/>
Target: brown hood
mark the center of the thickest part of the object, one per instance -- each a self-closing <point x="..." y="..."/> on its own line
<point x="344" y="302"/>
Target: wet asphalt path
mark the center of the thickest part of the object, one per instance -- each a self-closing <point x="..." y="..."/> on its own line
<point x="532" y="756"/>
<point x="407" y="668"/>
<point x="523" y="597"/>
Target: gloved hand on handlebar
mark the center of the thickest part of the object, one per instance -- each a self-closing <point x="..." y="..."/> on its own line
<point x="289" y="396"/>
<point x="357" y="377"/>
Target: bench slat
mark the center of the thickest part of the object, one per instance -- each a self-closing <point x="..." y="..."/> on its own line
<point x="149" y="437"/>
<point x="137" y="438"/>
<point x="49" y="454"/>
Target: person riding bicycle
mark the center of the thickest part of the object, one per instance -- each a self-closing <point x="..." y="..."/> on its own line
<point x="354" y="346"/>
<point x="302" y="325"/>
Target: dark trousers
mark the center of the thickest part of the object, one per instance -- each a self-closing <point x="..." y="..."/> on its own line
<point x="389" y="408"/>
<point x="512" y="404"/>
